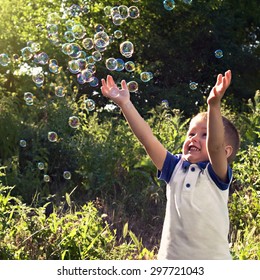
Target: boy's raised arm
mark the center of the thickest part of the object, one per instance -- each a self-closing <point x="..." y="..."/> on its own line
<point x="215" y="132"/>
<point x="139" y="126"/>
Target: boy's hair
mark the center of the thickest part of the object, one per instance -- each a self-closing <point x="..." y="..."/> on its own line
<point x="232" y="137"/>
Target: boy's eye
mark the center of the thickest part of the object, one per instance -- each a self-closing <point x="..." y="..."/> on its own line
<point x="204" y="134"/>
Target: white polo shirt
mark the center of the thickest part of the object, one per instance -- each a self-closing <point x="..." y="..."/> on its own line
<point x="196" y="223"/>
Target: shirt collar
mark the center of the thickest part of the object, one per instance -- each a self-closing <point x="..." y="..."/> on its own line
<point x="201" y="164"/>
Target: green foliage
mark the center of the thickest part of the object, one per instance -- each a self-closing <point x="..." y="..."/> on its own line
<point x="27" y="233"/>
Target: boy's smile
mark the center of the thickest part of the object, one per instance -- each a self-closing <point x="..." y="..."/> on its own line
<point x="194" y="147"/>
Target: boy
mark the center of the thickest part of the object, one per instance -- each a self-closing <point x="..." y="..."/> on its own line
<point x="196" y="222"/>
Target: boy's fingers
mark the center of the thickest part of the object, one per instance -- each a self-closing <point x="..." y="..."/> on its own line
<point x="124" y="85"/>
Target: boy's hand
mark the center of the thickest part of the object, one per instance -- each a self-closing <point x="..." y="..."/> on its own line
<point x="219" y="89"/>
<point x="110" y="90"/>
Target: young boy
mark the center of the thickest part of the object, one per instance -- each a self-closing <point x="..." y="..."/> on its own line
<point x="196" y="222"/>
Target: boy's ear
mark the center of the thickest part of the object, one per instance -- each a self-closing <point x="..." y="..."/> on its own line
<point x="229" y="150"/>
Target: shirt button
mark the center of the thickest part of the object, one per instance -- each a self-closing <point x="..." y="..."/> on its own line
<point x="188" y="185"/>
<point x="192" y="169"/>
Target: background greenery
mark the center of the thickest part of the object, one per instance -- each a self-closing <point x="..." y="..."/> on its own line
<point x="113" y="205"/>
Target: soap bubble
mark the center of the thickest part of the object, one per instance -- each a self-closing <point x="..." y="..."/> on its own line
<point x="169" y="4"/>
<point x="107" y="11"/>
<point x="99" y="27"/>
<point x="193" y="85"/>
<point x="4" y="59"/>
<point x="146" y="76"/>
<point x="66" y="175"/>
<point x="94" y="82"/>
<point x="27" y="53"/>
<point x="97" y="55"/>
<point x="134" y="12"/>
<point x="60" y="91"/>
<point x="53" y="18"/>
<point x="40" y="165"/>
<point x="69" y="24"/>
<point x="38" y="79"/>
<point x="46" y="178"/>
<point x="120" y="64"/>
<point x="127" y="49"/>
<point x="117" y="19"/>
<point x="69" y="36"/>
<point x="218" y="53"/>
<point x="88" y="43"/>
<point x="42" y="58"/>
<point x="22" y="143"/>
<point x="111" y="64"/>
<point x="53" y="66"/>
<point x="123" y="11"/>
<point x="87" y="75"/>
<point x="90" y="104"/>
<point x="79" y="31"/>
<point x="90" y="60"/>
<point x="74" y="66"/>
<point x="129" y="66"/>
<point x="74" y="122"/>
<point x="52" y="136"/>
<point x="52" y="28"/>
<point x="28" y="97"/>
<point x="165" y="103"/>
<point x="34" y="46"/>
<point x="118" y="34"/>
<point x="101" y="39"/>
<point x="132" y="86"/>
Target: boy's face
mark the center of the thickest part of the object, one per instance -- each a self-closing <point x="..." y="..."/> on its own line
<point x="194" y="148"/>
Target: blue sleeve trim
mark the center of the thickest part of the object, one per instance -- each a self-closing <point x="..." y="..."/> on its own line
<point x="220" y="184"/>
<point x="168" y="167"/>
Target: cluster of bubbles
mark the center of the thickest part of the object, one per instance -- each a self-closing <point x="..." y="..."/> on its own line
<point x="83" y="52"/>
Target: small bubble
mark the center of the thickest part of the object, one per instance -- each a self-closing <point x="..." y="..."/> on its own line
<point x="74" y="122"/>
<point x="66" y="175"/>
<point x="193" y="85"/>
<point x="23" y="143"/>
<point x="132" y="86"/>
<point x="69" y="36"/>
<point x="52" y="136"/>
<point x="40" y="165"/>
<point x="218" y="53"/>
<point x="46" y="178"/>
<point x="169" y="4"/>
<point x="134" y="12"/>
<point x="79" y="31"/>
<point x="4" y="59"/>
<point x="60" y="91"/>
<point x="146" y="76"/>
<point x="129" y="66"/>
<point x="165" y="103"/>
<point x="118" y="34"/>
<point x="90" y="104"/>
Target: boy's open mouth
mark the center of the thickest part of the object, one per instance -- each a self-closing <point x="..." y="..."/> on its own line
<point x="193" y="149"/>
